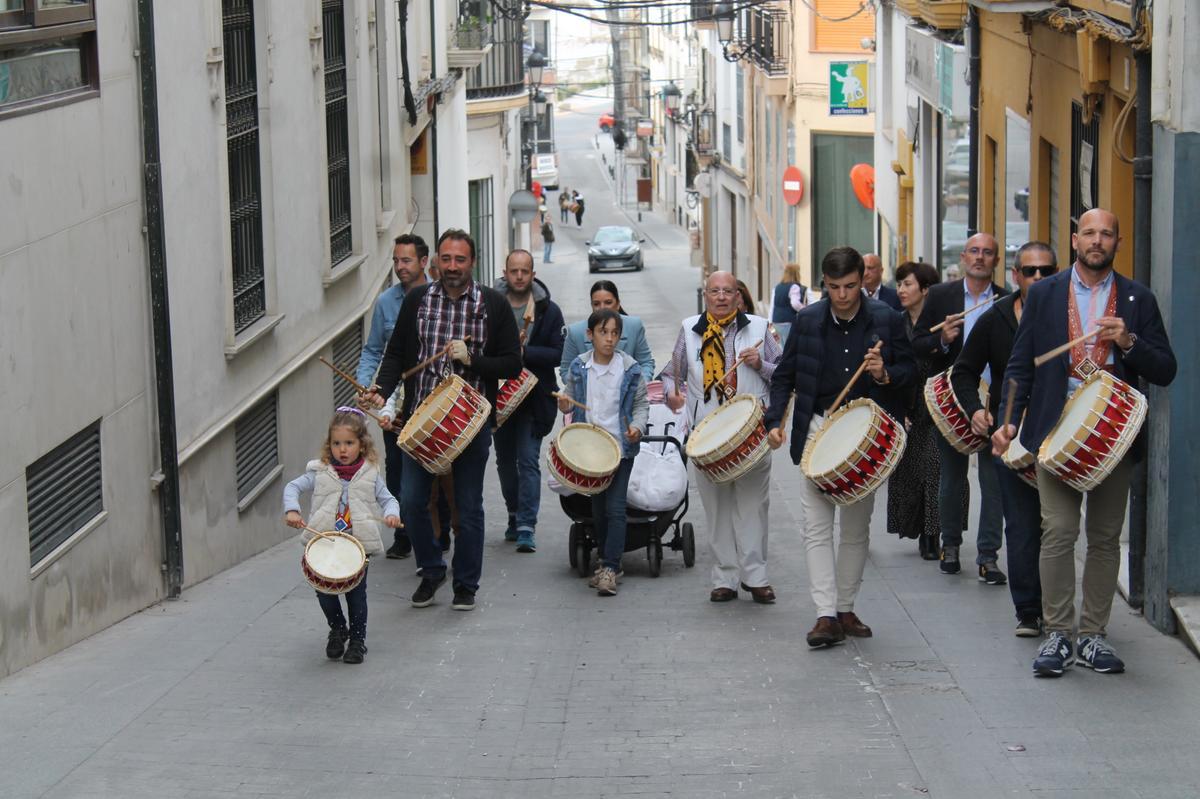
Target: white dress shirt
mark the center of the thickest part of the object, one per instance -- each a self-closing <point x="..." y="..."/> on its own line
<point x="604" y="394"/>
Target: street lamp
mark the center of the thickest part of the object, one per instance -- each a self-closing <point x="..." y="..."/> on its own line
<point x="535" y="66"/>
<point x="671" y="95"/>
<point x="539" y="102"/>
<point x="723" y="12"/>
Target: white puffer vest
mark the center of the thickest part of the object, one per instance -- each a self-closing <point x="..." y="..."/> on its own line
<point x="363" y="507"/>
<point x="749" y="381"/>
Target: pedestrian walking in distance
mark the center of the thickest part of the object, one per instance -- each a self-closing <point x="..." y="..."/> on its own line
<point x="564" y="207"/>
<point x="547" y="240"/>
<point x="577" y="206"/>
<point x="348" y="495"/>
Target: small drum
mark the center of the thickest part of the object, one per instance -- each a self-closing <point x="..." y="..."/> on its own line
<point x="854" y="452"/>
<point x="949" y="416"/>
<point x="444" y="424"/>
<point x="1021" y="461"/>
<point x="729" y="441"/>
<point x="1098" y="425"/>
<point x="334" y="563"/>
<point x="512" y="393"/>
<point x="584" y="457"/>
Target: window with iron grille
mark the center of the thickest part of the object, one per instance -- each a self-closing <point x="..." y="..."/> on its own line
<point x="337" y="130"/>
<point x="256" y="445"/>
<point x="740" y="84"/>
<point x="1085" y="140"/>
<point x="47" y="54"/>
<point x="245" y="184"/>
<point x="479" y="201"/>
<point x="346" y="350"/>
<point x="64" y="491"/>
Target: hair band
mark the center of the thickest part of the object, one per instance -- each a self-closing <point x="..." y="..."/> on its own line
<point x="348" y="409"/>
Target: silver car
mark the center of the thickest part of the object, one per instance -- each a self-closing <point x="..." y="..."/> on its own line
<point x="615" y="247"/>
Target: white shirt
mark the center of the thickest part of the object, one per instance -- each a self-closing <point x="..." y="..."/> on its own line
<point x="604" y="394"/>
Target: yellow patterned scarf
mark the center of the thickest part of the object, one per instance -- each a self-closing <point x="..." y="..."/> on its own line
<point x="712" y="351"/>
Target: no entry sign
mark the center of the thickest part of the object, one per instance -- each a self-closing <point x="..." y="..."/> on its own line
<point x="793" y="185"/>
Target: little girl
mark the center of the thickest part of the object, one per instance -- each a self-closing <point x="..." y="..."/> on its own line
<point x="347" y="489"/>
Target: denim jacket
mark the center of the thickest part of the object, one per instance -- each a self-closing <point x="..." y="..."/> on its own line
<point x="635" y="410"/>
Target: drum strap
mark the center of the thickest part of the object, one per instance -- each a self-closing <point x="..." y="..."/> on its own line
<point x="712" y="351"/>
<point x="1084" y="363"/>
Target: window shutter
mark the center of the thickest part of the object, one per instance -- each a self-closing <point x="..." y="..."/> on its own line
<point x="256" y="444"/>
<point x="64" y="490"/>
<point x="841" y="37"/>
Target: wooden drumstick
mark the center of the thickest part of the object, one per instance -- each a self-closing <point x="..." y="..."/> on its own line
<point x="1008" y="410"/>
<point x="961" y="315"/>
<point x="432" y="358"/>
<point x="530" y="308"/>
<point x="1054" y="353"/>
<point x="361" y="389"/>
<point x="862" y="367"/>
<point x="738" y="362"/>
<point x="579" y="405"/>
<point x="317" y="532"/>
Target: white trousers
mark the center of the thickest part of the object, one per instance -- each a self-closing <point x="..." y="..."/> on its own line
<point x="834" y="578"/>
<point x="736" y="513"/>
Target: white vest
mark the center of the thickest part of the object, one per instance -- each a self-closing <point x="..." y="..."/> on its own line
<point x="749" y="381"/>
<point x="363" y="506"/>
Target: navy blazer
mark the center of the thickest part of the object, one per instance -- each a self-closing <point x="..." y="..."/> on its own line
<point x="943" y="299"/>
<point x="889" y="296"/>
<point x="1042" y="393"/>
<point x="799" y="368"/>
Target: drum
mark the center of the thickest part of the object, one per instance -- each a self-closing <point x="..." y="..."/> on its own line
<point x="584" y="457"/>
<point x="512" y="393"/>
<point x="444" y="424"/>
<point x="1098" y="425"/>
<point x="334" y="563"/>
<point x="730" y="440"/>
<point x="1021" y="461"/>
<point x="949" y="416"/>
<point x="854" y="452"/>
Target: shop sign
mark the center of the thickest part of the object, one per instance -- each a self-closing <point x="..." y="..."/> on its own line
<point x="645" y="127"/>
<point x="936" y="71"/>
<point x="849" y="85"/>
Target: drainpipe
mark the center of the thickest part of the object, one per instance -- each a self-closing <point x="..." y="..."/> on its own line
<point x="160" y="319"/>
<point x="433" y="137"/>
<point x="973" y="70"/>
<point x="1143" y="184"/>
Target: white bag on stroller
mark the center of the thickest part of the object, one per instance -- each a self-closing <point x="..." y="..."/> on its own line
<point x="659" y="479"/>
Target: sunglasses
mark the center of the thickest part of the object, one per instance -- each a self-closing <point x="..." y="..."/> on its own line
<point x="1044" y="271"/>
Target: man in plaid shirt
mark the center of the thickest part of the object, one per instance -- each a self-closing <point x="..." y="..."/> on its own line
<point x="477" y="326"/>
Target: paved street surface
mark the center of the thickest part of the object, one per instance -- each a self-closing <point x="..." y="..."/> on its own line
<point x="548" y="690"/>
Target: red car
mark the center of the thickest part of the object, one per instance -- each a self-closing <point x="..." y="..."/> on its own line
<point x="606" y="121"/>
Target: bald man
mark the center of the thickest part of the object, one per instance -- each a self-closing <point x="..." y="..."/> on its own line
<point x="944" y="302"/>
<point x="873" y="282"/>
<point x="1132" y="345"/>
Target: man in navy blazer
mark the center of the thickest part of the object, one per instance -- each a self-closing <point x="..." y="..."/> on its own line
<point x="873" y="282"/>
<point x="829" y="340"/>
<point x="1132" y="345"/>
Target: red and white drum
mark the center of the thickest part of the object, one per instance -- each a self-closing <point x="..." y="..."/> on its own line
<point x="948" y="414"/>
<point x="584" y="458"/>
<point x="334" y="563"/>
<point x="854" y="452"/>
<point x="444" y="424"/>
<point x="512" y="393"/>
<point x="1098" y="425"/>
<point x="729" y="441"/>
<point x="1021" y="460"/>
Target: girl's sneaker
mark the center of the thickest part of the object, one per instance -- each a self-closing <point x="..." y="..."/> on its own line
<point x="606" y="582"/>
<point x="337" y="643"/>
<point x="355" y="652"/>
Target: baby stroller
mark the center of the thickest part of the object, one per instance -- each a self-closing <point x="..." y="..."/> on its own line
<point x="644" y="529"/>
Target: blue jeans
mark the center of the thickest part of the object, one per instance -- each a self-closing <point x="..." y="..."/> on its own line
<point x="392" y="470"/>
<point x="546" y="247"/>
<point x="608" y="516"/>
<point x="950" y="491"/>
<point x="1023" y="536"/>
<point x="356" y="606"/>
<point x="468" y="469"/>
<point x="517" y="451"/>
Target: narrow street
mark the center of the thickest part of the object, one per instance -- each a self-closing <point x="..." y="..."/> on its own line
<point x="548" y="690"/>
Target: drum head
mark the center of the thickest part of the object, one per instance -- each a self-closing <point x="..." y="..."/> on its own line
<point x="336" y="558"/>
<point x="840" y="438"/>
<point x="722" y="424"/>
<point x="589" y="449"/>
<point x="1076" y="414"/>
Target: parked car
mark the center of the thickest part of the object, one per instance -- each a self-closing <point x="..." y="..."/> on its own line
<point x="545" y="170"/>
<point x="607" y="120"/>
<point x="615" y="247"/>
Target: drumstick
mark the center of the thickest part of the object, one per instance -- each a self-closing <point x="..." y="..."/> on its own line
<point x="1008" y="410"/>
<point x="1054" y="353"/>
<point x="857" y="374"/>
<point x="436" y="356"/>
<point x="738" y="362"/>
<point x="961" y="315"/>
<point x="354" y="383"/>
<point x="530" y="308"/>
<point x="317" y="532"/>
<point x="579" y="405"/>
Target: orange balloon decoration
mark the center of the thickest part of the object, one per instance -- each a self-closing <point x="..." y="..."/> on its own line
<point x="862" y="178"/>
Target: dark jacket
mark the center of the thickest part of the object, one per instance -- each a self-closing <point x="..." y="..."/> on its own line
<point x="500" y="360"/>
<point x="889" y="296"/>
<point x="782" y="311"/>
<point x="990" y="345"/>
<point x="543" y="351"/>
<point x="943" y="299"/>
<point x="800" y="368"/>
<point x="1044" y="326"/>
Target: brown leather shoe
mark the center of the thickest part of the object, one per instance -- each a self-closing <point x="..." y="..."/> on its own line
<point x="826" y="632"/>
<point x="852" y="625"/>
<point x="763" y="594"/>
<point x="722" y="595"/>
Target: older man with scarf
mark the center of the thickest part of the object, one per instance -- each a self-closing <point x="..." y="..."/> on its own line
<point x="707" y="348"/>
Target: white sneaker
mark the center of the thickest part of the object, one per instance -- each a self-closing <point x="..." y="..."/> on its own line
<point x="606" y="582"/>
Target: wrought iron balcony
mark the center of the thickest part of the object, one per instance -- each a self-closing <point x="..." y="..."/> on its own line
<point x="763" y="37"/>
<point x="501" y="71"/>
<point x="470" y="40"/>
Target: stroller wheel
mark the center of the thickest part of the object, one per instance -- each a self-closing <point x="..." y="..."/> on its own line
<point x="581" y="553"/>
<point x="689" y="545"/>
<point x="654" y="555"/>
<point x="572" y="540"/>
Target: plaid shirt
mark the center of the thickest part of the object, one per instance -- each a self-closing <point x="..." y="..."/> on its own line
<point x="441" y="319"/>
